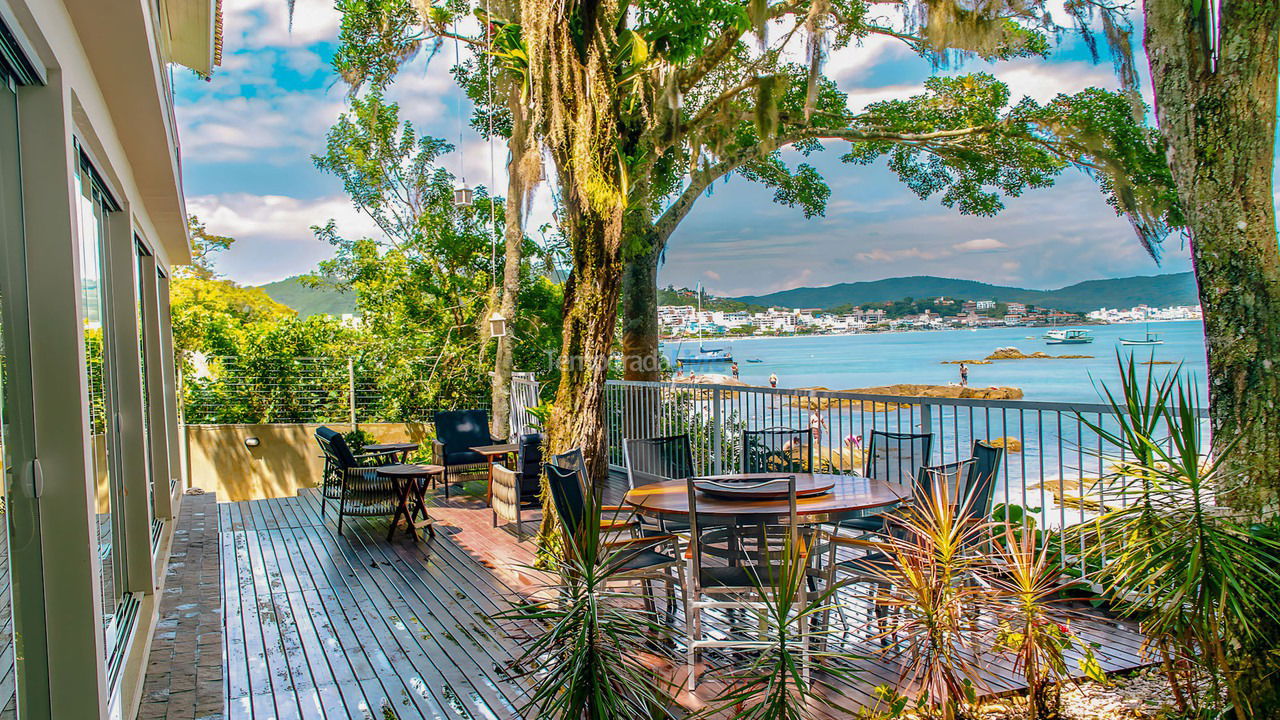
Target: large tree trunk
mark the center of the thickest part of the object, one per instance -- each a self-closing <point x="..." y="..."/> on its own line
<point x="1220" y="124"/>
<point x="501" y="390"/>
<point x="640" y="318"/>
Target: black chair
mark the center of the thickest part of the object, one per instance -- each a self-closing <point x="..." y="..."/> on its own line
<point x="520" y="489"/>
<point x="894" y="458"/>
<point x="653" y="460"/>
<point x="457" y="431"/>
<point x="982" y="481"/>
<point x="649" y="559"/>
<point x="359" y="490"/>
<point x="779" y="450"/>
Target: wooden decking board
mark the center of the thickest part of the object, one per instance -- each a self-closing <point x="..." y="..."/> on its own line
<point x="323" y="626"/>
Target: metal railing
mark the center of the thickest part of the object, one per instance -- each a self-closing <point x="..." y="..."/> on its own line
<point x="1055" y="466"/>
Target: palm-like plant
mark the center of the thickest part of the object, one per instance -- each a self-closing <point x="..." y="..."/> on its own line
<point x="778" y="683"/>
<point x="1033" y="625"/>
<point x="928" y="578"/>
<point x="1187" y="567"/>
<point x="593" y="652"/>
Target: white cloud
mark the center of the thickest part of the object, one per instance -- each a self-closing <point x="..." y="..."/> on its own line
<point x="273" y="232"/>
<point x="1042" y="81"/>
<point x="979" y="245"/>
<point x="880" y="255"/>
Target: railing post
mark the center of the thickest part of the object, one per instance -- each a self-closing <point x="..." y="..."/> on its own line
<point x="926" y="418"/>
<point x="717" y="433"/>
<point x="351" y="390"/>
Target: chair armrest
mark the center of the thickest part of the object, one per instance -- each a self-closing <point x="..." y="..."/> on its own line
<point x="376" y="458"/>
<point x="610" y="525"/>
<point x="653" y="539"/>
<point x="437" y="451"/>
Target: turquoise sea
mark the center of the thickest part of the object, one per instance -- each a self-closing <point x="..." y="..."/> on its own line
<point x="866" y="360"/>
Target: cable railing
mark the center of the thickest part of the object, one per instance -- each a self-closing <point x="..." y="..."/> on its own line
<point x="224" y="390"/>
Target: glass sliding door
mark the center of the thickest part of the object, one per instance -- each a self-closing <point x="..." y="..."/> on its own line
<point x="144" y="306"/>
<point x="94" y="206"/>
<point x="24" y="679"/>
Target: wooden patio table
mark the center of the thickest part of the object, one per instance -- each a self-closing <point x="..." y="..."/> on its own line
<point x="850" y="496"/>
<point x="404" y="448"/>
<point x="411" y="485"/>
<point x="491" y="454"/>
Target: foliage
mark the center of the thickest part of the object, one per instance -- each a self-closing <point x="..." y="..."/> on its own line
<point x="357" y="439"/>
<point x="928" y="590"/>
<point x="1191" y="571"/>
<point x="1033" y="627"/>
<point x="778" y="683"/>
<point x="592" y="652"/>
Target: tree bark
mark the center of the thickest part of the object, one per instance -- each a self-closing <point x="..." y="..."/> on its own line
<point x="1220" y="126"/>
<point x="1219" y="119"/>
<point x="503" y="363"/>
<point x="640" y="318"/>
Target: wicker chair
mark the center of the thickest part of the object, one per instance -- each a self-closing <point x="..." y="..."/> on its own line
<point x="457" y="431"/>
<point x="519" y="489"/>
<point x="359" y="491"/>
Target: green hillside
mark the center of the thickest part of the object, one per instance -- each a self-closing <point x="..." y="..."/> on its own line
<point x="1155" y="290"/>
<point x="311" y="301"/>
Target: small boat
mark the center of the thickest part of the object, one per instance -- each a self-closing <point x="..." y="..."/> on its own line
<point x="754" y="360"/>
<point x="1150" y="339"/>
<point x="1068" y="337"/>
<point x="705" y="354"/>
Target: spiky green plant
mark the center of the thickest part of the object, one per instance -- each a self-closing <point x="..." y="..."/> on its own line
<point x="592" y="652"/>
<point x="785" y="678"/>
<point x="929" y="587"/>
<point x="1187" y="567"/>
<point x="1033" y="625"/>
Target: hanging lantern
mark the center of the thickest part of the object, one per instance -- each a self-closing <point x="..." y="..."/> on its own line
<point x="497" y="325"/>
<point x="462" y="196"/>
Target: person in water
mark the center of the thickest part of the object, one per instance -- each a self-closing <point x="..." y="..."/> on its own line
<point x="964" y="375"/>
<point x="773" y="380"/>
<point x="734" y="369"/>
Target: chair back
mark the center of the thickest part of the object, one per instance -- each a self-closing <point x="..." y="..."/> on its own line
<point x="335" y="448"/>
<point x="898" y="457"/>
<point x="529" y="461"/>
<point x="571" y="460"/>
<point x="777" y="450"/>
<point x="982" y="481"/>
<point x="956" y="475"/>
<point x="461" y="430"/>
<point x="651" y="460"/>
<point x="567" y="496"/>
<point x="769" y="543"/>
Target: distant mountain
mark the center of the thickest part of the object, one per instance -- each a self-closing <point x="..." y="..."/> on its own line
<point x="1154" y="290"/>
<point x="310" y="301"/>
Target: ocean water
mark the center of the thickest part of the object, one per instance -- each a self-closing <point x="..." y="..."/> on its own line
<point x="872" y="359"/>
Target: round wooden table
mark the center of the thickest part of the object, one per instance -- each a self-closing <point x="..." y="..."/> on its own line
<point x="411" y="486"/>
<point x="850" y="496"/>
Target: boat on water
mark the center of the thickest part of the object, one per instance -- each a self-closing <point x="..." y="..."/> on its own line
<point x="753" y="360"/>
<point x="704" y="355"/>
<point x="1149" y="338"/>
<point x="1068" y="337"/>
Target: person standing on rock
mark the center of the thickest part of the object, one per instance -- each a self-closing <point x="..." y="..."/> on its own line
<point x="964" y="375"/>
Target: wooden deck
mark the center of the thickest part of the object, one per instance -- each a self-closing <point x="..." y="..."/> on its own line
<point x="322" y="626"/>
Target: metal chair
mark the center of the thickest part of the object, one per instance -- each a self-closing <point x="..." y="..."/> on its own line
<point x="648" y="559"/>
<point x="457" y="431"/>
<point x="742" y="585"/>
<point x="517" y="490"/>
<point x="894" y="458"/>
<point x="777" y="450"/>
<point x="653" y="460"/>
<point x="361" y="493"/>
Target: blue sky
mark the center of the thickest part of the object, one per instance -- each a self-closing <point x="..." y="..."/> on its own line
<point x="247" y="137"/>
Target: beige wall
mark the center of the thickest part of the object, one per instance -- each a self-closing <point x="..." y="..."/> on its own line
<point x="287" y="457"/>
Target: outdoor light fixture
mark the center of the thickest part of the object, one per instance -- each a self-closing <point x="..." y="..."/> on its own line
<point x="497" y="325"/>
<point x="252" y="442"/>
<point x="462" y="196"/>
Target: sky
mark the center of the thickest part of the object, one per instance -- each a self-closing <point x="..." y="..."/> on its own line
<point x="247" y="137"/>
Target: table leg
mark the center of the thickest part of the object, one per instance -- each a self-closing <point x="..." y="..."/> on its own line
<point x="402" y="506"/>
<point x="419" y="491"/>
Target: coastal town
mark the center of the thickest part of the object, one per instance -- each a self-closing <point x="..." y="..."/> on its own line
<point x="940" y="313"/>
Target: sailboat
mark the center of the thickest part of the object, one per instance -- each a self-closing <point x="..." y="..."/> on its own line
<point x="1068" y="337"/>
<point x="1150" y="339"/>
<point x="704" y="354"/>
